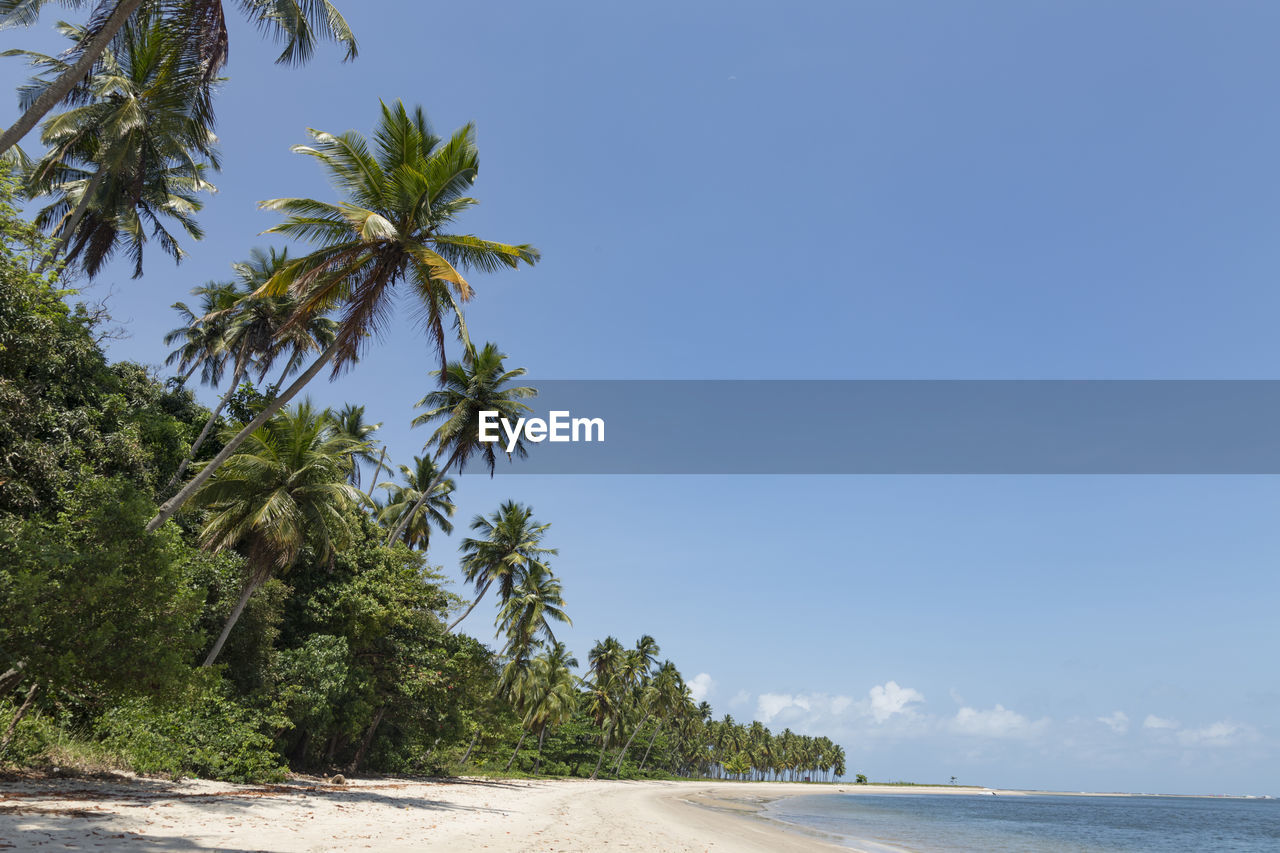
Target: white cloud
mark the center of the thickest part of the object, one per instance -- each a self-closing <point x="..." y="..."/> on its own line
<point x="1222" y="733"/>
<point x="1118" y="721"/>
<point x="740" y="699"/>
<point x="801" y="710"/>
<point x="1154" y="722"/>
<point x="701" y="686"/>
<point x="888" y="699"/>
<point x="998" y="722"/>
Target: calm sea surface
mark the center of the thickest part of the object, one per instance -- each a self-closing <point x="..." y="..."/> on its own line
<point x="949" y="822"/>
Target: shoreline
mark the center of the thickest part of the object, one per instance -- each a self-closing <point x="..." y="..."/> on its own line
<point x="462" y="814"/>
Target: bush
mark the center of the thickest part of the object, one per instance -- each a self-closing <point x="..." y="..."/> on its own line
<point x="208" y="735"/>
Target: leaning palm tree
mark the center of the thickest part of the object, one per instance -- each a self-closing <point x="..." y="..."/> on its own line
<point x="554" y="696"/>
<point x="258" y="331"/>
<point x="603" y="700"/>
<point x="435" y="511"/>
<point x="509" y="546"/>
<point x="286" y="488"/>
<point x="479" y="383"/>
<point x="197" y="27"/>
<point x="667" y="695"/>
<point x="132" y="150"/>
<point x="393" y="226"/>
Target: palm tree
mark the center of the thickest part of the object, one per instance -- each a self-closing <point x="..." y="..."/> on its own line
<point x="479" y="383"/>
<point x="634" y="675"/>
<point x="198" y="26"/>
<point x="435" y="511"/>
<point x="132" y="150"/>
<point x="510" y="546"/>
<point x="392" y="227"/>
<point x="200" y="339"/>
<point x="604" y="704"/>
<point x="286" y="488"/>
<point x="535" y="601"/>
<point x="666" y="696"/>
<point x="554" y="696"/>
<point x="350" y="422"/>
<point x="257" y="331"/>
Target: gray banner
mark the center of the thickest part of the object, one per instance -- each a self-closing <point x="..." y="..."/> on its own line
<point x="905" y="427"/>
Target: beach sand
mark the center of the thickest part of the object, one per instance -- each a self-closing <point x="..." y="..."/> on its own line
<point x="388" y="814"/>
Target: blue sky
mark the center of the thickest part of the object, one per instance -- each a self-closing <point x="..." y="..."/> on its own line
<point x="854" y="190"/>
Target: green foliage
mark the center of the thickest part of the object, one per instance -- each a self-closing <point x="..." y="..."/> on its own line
<point x="65" y="414"/>
<point x="92" y="603"/>
<point x="206" y="733"/>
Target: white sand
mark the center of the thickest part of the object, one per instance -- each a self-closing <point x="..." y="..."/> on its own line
<point x="462" y="815"/>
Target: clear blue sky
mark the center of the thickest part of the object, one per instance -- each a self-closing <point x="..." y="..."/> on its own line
<point x="856" y="190"/>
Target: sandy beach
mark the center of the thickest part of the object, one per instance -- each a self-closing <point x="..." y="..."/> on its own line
<point x="389" y="814"/>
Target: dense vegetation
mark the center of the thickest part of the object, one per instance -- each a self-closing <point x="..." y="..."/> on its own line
<point x="242" y="591"/>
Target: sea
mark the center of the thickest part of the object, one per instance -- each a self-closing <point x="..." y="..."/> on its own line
<point x="925" y="823"/>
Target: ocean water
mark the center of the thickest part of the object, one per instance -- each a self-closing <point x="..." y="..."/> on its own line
<point x="933" y="823"/>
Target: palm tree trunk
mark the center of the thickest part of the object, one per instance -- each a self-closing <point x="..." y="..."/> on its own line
<point x="208" y="427"/>
<point x="376" y="472"/>
<point x="250" y="585"/>
<point x="479" y="596"/>
<point x="599" y="761"/>
<point x="366" y="740"/>
<point x="537" y="762"/>
<point x="657" y="729"/>
<point x="17" y="718"/>
<point x="426" y="495"/>
<point x="58" y="89"/>
<point x="12" y="677"/>
<point x="623" y="754"/>
<point x="517" y="751"/>
<point x="175" y="503"/>
<point x="475" y="737"/>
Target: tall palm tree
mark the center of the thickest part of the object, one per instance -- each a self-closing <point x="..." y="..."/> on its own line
<point x="201" y="337"/>
<point x="435" y="511"/>
<point x="526" y="615"/>
<point x="604" y="662"/>
<point x="350" y="421"/>
<point x="286" y="488"/>
<point x="665" y="696"/>
<point x="479" y="383"/>
<point x="554" y="695"/>
<point x="198" y="27"/>
<point x="258" y="331"/>
<point x="132" y="150"/>
<point x="509" y="547"/>
<point x="394" y="225"/>
<point x="635" y="676"/>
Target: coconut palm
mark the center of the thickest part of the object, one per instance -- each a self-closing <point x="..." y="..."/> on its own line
<point x="554" y="694"/>
<point x="509" y="547"/>
<point x="526" y="615"/>
<point x="394" y="225"/>
<point x="350" y="421"/>
<point x="200" y="339"/>
<point x="479" y="383"/>
<point x="198" y="27"/>
<point x="667" y="695"/>
<point x="257" y="331"/>
<point x="131" y="151"/>
<point x="634" y="675"/>
<point x="285" y="489"/>
<point x="604" y="662"/>
<point x="435" y="511"/>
